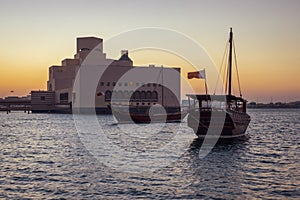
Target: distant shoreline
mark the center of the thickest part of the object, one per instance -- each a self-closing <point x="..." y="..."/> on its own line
<point x="270" y="108"/>
<point x="295" y="104"/>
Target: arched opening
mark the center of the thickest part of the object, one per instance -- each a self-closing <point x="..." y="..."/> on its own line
<point x="143" y="95"/>
<point x="149" y="95"/>
<point x="136" y="96"/>
<point x="119" y="95"/>
<point x="108" y="94"/>
<point x="126" y="94"/>
<point x="154" y="96"/>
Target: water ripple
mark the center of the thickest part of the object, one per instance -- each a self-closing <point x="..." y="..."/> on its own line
<point x="42" y="157"/>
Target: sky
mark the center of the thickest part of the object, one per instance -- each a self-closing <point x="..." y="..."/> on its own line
<point x="36" y="34"/>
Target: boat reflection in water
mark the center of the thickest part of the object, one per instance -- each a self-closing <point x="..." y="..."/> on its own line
<point x="223" y="114"/>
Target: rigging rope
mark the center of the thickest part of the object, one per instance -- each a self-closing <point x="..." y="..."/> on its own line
<point x="226" y="77"/>
<point x="226" y="72"/>
<point x="221" y="67"/>
<point x="237" y="72"/>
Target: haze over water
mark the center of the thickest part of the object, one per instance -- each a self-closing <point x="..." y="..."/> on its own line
<point x="41" y="156"/>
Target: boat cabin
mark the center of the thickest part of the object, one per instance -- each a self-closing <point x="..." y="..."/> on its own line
<point x="223" y="102"/>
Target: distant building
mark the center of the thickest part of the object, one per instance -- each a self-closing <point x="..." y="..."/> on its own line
<point x="61" y="80"/>
<point x="252" y="104"/>
<point x="295" y="104"/>
<point x="42" y="101"/>
<point x="16" y="98"/>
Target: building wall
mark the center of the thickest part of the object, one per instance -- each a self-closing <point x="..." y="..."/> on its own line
<point x="42" y="101"/>
<point x="61" y="79"/>
<point x="143" y="80"/>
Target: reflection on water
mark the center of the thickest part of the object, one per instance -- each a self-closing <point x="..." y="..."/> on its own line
<point x="42" y="156"/>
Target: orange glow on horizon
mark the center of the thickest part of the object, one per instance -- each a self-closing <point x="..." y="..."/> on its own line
<point x="258" y="83"/>
<point x="262" y="78"/>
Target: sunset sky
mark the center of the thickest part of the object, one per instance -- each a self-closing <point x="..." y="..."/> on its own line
<point x="36" y="34"/>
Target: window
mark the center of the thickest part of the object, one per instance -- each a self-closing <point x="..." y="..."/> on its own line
<point x="155" y="96"/>
<point x="154" y="84"/>
<point x="149" y="84"/>
<point x="108" y="95"/>
<point x="108" y="84"/>
<point x="114" y="83"/>
<point x="63" y="97"/>
<point x="101" y="83"/>
<point x="125" y="84"/>
<point x="126" y="94"/>
<point x="149" y="95"/>
<point x="143" y="95"/>
<point x="137" y="84"/>
<point x="136" y="96"/>
<point x="118" y="95"/>
<point x="120" y="84"/>
<point x="43" y="98"/>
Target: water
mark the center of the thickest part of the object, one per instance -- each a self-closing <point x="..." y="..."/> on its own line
<point x="41" y="156"/>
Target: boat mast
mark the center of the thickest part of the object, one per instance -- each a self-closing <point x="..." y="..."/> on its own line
<point x="230" y="61"/>
<point x="162" y="85"/>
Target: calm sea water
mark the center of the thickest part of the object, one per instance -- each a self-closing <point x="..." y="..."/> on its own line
<point x="42" y="156"/>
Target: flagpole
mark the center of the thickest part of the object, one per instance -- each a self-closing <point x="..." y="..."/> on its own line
<point x="206" y="92"/>
<point x="205" y="87"/>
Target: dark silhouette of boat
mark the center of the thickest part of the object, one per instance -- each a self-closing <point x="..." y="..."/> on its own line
<point x="146" y="114"/>
<point x="221" y="116"/>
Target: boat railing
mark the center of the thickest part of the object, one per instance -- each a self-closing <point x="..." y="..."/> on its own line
<point x="206" y="105"/>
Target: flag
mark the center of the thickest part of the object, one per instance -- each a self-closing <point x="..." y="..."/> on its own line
<point x="100" y="94"/>
<point x="199" y="74"/>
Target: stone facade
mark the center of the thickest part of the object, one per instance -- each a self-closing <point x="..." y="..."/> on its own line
<point x="136" y="89"/>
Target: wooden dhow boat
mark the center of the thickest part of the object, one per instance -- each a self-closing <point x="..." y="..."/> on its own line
<point x="222" y="116"/>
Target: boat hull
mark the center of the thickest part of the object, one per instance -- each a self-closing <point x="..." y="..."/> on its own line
<point x="141" y="115"/>
<point x="227" y="124"/>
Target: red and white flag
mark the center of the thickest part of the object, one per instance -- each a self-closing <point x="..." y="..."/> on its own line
<point x="100" y="94"/>
<point x="199" y="74"/>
